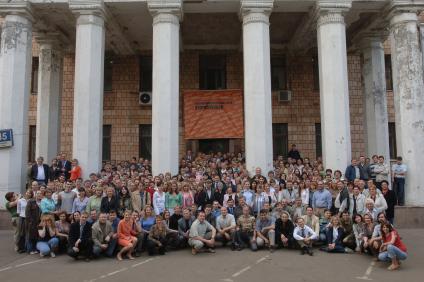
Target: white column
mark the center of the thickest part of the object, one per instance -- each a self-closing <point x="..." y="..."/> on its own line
<point x="422" y="40"/>
<point x="408" y="91"/>
<point x="15" y="77"/>
<point x="334" y="91"/>
<point x="165" y="103"/>
<point x="257" y="85"/>
<point x="49" y="98"/>
<point x="88" y="92"/>
<point x="375" y="97"/>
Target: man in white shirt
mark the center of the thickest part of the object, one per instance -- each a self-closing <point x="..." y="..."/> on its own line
<point x="398" y="177"/>
<point x="304" y="235"/>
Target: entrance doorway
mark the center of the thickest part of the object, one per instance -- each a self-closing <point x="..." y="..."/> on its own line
<point x="214" y="145"/>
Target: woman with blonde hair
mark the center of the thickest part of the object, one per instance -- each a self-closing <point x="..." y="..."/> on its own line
<point x="47" y="236"/>
<point x="126" y="236"/>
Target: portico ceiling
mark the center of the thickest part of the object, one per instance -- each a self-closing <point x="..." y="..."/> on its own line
<point x="206" y="23"/>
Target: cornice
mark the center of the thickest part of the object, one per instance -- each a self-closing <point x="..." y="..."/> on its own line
<point x="22" y="8"/>
<point x="174" y="8"/>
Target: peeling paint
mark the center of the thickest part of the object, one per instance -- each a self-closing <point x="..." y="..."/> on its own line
<point x="11" y="35"/>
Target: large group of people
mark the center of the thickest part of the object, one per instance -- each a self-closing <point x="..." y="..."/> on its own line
<point x="124" y="210"/>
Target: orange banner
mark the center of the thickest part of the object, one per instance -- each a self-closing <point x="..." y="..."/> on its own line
<point x="213" y="114"/>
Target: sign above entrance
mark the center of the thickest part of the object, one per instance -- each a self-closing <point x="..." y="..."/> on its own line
<point x="210" y="114"/>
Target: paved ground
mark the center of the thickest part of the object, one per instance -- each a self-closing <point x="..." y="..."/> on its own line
<point x="223" y="266"/>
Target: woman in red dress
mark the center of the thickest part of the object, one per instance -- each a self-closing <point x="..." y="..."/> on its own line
<point x="126" y="236"/>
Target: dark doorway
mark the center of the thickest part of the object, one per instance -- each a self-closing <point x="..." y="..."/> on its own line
<point x="214" y="145"/>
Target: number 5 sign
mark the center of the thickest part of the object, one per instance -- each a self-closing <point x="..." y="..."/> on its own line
<point x="6" y="138"/>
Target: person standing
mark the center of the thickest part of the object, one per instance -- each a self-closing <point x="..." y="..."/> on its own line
<point x="381" y="172"/>
<point x="390" y="198"/>
<point x="321" y="199"/>
<point x="65" y="166"/>
<point x="11" y="206"/>
<point x="398" y="177"/>
<point x="40" y="172"/>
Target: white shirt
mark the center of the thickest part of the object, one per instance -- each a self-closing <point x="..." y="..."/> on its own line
<point x="20" y="208"/>
<point x="399" y="169"/>
<point x="40" y="173"/>
<point x="307" y="232"/>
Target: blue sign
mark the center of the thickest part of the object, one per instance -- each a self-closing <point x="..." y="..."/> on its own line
<point x="6" y="138"/>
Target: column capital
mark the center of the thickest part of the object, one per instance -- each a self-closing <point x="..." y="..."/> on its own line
<point x="20" y="8"/>
<point x="332" y="11"/>
<point x="403" y="11"/>
<point x="51" y="40"/>
<point x="373" y="39"/>
<point x="256" y="6"/>
<point x="166" y="10"/>
<point x="88" y="7"/>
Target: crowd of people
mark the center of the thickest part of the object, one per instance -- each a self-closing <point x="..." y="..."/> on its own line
<point x="124" y="210"/>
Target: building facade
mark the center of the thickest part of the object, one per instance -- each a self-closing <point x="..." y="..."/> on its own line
<point x="109" y="80"/>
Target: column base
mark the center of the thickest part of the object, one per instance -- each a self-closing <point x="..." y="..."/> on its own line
<point x="409" y="217"/>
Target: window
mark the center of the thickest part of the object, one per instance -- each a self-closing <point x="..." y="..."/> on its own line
<point x="212" y="72"/>
<point x="389" y="75"/>
<point x="34" y="76"/>
<point x="280" y="139"/>
<point x="392" y="140"/>
<point x="32" y="143"/>
<point x="146" y="73"/>
<point x="107" y="81"/>
<point x="278" y="74"/>
<point x="145" y="141"/>
<point x="107" y="142"/>
<point x="315" y="72"/>
<point x="318" y="140"/>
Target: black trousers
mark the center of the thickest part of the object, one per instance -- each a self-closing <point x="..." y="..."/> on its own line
<point x="85" y="250"/>
<point x="152" y="247"/>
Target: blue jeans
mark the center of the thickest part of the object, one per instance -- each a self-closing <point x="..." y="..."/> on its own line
<point x="46" y="247"/>
<point x="108" y="252"/>
<point x="392" y="252"/>
<point x="400" y="190"/>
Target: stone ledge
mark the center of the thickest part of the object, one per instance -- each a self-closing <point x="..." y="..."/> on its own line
<point x="409" y="217"/>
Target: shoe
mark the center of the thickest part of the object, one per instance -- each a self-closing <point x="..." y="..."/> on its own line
<point x="193" y="251"/>
<point x="233" y="247"/>
<point x="348" y="250"/>
<point x="41" y="255"/>
<point x="302" y="251"/>
<point x="239" y="248"/>
<point x="33" y="252"/>
<point x="87" y="259"/>
<point x="210" y="250"/>
<point x="52" y="254"/>
<point x="271" y="249"/>
<point x="310" y="253"/>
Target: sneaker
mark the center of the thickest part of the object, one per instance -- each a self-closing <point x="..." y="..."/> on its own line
<point x="41" y="255"/>
<point x="33" y="252"/>
<point x="210" y="250"/>
<point x="52" y="254"/>
<point x="348" y="250"/>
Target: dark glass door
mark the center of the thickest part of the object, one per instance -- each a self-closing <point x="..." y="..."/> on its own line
<point x="214" y="145"/>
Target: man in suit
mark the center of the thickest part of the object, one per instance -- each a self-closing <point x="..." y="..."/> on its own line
<point x="207" y="195"/>
<point x="40" y="171"/>
<point x="65" y="165"/>
<point x="80" y="238"/>
<point x="352" y="171"/>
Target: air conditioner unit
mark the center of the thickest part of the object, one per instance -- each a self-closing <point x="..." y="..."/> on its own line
<point x="145" y="98"/>
<point x="284" y="96"/>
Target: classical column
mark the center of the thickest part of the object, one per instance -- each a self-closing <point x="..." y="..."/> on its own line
<point x="375" y="97"/>
<point x="333" y="81"/>
<point x="408" y="91"/>
<point x="422" y="40"/>
<point x="165" y="104"/>
<point x="88" y="90"/>
<point x="257" y="85"/>
<point x="15" y="77"/>
<point x="49" y="97"/>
